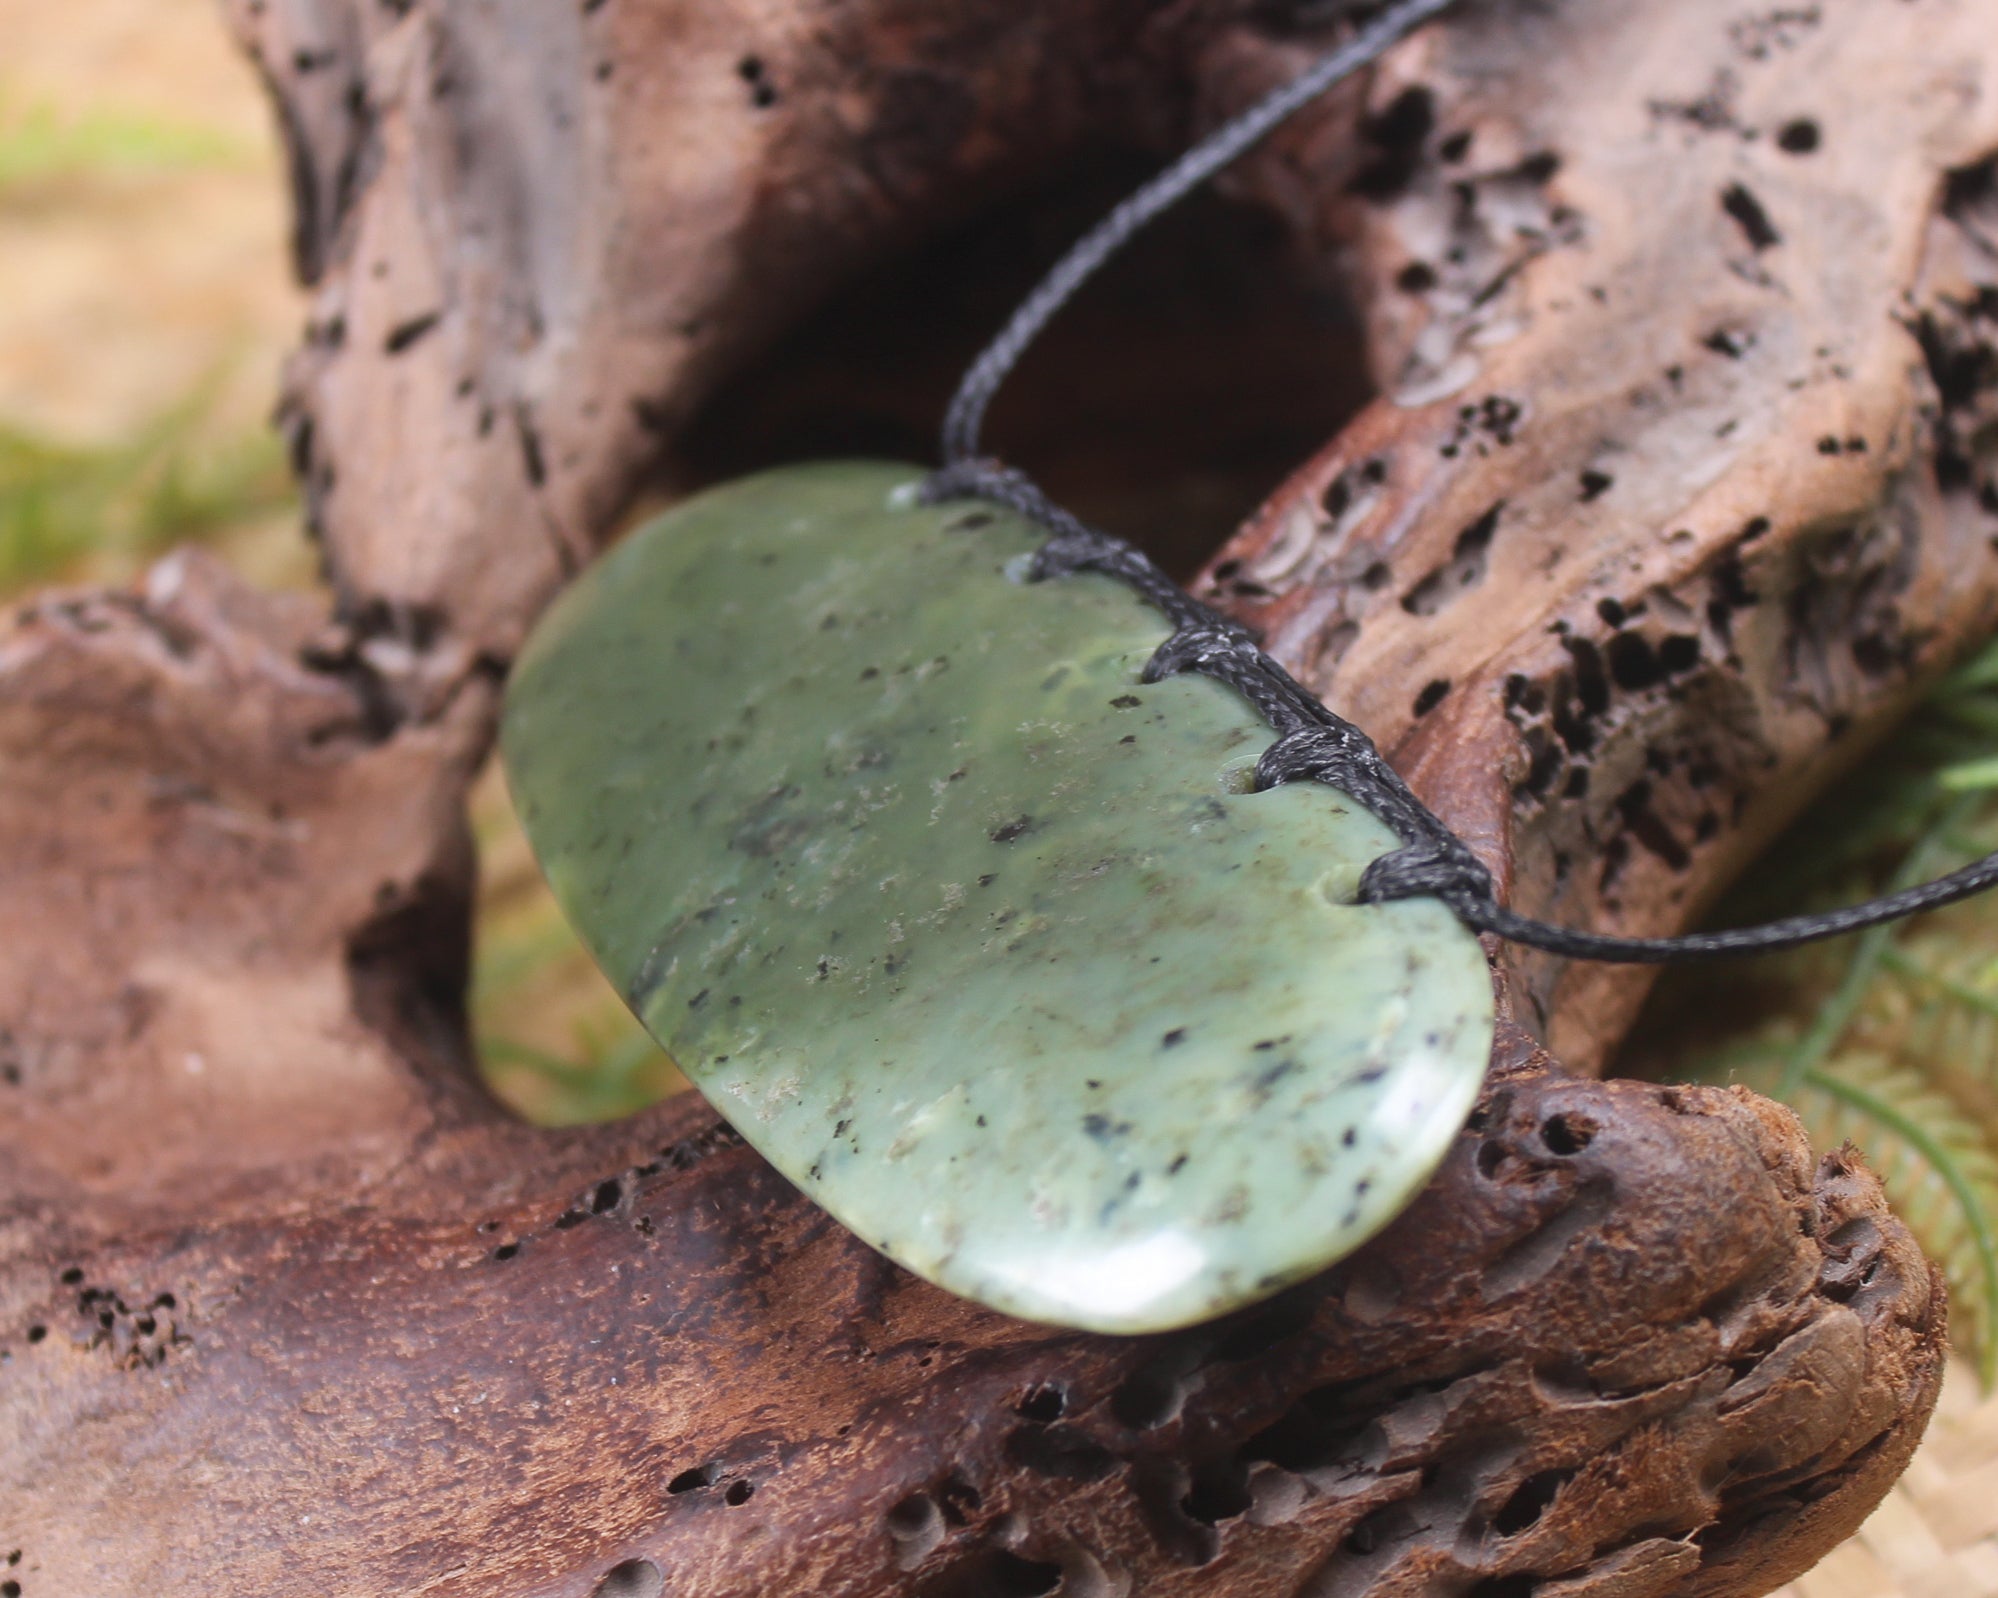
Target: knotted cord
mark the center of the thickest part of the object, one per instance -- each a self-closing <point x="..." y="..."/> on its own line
<point x="1313" y="744"/>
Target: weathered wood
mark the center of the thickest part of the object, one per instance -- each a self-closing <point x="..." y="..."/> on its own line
<point x="1681" y="483"/>
<point x="287" y="1307"/>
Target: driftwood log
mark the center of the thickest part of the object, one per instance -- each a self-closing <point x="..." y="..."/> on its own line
<point x="1673" y="477"/>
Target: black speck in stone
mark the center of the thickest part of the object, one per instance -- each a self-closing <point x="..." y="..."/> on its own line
<point x="988" y="879"/>
<point x="1178" y="1165"/>
<point x="1348" y="1138"/>
<point x="981" y="1120"/>
<point x="1012" y="829"/>
<point x="1270" y="1076"/>
<point x="1173" y="1038"/>
<point x="1127" y="702"/>
<point x="698" y="1000"/>
<point x="1092" y="1084"/>
<point x="1128" y="738"/>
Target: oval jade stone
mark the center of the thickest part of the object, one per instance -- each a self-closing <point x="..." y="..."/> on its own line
<point x="980" y="939"/>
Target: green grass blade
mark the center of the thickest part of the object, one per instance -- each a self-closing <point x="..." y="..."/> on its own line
<point x="1949" y="1147"/>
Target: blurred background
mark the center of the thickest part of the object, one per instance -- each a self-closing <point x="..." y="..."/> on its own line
<point x="145" y="309"/>
<point x="146" y="304"/>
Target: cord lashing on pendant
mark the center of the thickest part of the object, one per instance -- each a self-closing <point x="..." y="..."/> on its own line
<point x="1313" y="743"/>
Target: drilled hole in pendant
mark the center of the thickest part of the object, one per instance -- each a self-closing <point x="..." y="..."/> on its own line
<point x="1238" y="776"/>
<point x="1341" y="885"/>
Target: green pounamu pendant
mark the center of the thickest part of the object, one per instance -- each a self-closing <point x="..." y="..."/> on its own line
<point x="980" y="939"/>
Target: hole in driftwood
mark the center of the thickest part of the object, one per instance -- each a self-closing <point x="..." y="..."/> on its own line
<point x="1397" y="135"/>
<point x="1529" y="1501"/>
<point x="1748" y="214"/>
<point x="1798" y="137"/>
<point x="1260" y="1331"/>
<point x="1504" y="1587"/>
<point x="959" y="1500"/>
<point x="1433" y="694"/>
<point x="1148" y="1398"/>
<point x="1023" y="1578"/>
<point x="1463" y="571"/>
<point x="1044" y="1403"/>
<point x="916" y="1526"/>
<point x="1372" y="1291"/>
<point x="1220" y="1492"/>
<point x="994" y="1573"/>
<point x="1323" y="1426"/>
<point x="1567" y="1134"/>
<point x="1222" y="361"/>
<point x="1375" y="1531"/>
<point x="634" y="1578"/>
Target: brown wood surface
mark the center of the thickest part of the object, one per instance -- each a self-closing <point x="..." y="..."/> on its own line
<point x="286" y="1306"/>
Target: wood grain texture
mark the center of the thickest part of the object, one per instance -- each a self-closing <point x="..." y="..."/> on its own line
<point x="287" y="1307"/>
<point x="1680" y="485"/>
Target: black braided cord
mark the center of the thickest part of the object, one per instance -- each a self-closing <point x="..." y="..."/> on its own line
<point x="1313" y="744"/>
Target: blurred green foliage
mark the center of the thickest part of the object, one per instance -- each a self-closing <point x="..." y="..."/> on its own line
<point x="70" y="508"/>
<point x="42" y="145"/>
<point x="1888" y="1039"/>
<point x="555" y="1041"/>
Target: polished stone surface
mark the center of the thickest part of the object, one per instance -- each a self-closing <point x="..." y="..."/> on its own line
<point x="977" y="937"/>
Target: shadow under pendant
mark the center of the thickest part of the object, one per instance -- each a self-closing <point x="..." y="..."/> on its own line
<point x="980" y="939"/>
